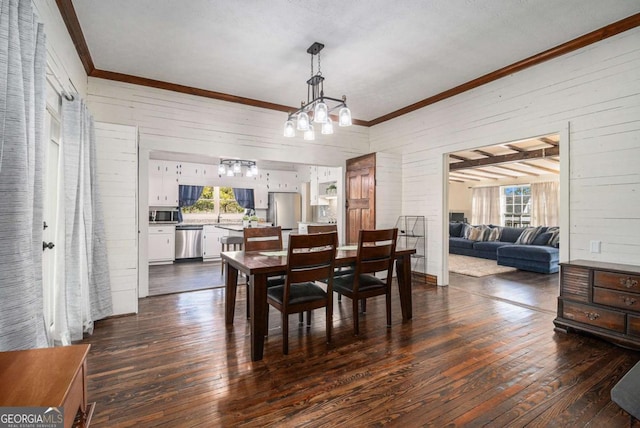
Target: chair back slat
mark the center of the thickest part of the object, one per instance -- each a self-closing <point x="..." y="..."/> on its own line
<point x="376" y="251"/>
<point x="263" y="238"/>
<point x="310" y="258"/>
<point x="321" y="228"/>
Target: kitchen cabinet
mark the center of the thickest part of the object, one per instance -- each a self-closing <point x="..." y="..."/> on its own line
<point x="320" y="178"/>
<point x="261" y="196"/>
<point x="163" y="183"/>
<point x="194" y="174"/>
<point x="283" y="181"/>
<point x="211" y="245"/>
<point x="162" y="248"/>
<point x="327" y="174"/>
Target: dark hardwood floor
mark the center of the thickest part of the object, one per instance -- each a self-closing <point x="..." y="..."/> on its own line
<point x="184" y="276"/>
<point x="481" y="352"/>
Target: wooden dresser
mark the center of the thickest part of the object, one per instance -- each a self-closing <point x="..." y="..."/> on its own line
<point x="602" y="299"/>
<point x="48" y="377"/>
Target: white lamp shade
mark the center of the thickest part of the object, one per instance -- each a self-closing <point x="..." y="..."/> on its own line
<point x="230" y="172"/>
<point x="327" y="128"/>
<point x="289" y="129"/>
<point x="309" y="135"/>
<point x="320" y="113"/>
<point x="222" y="170"/>
<point x="344" y="117"/>
<point x="303" y="121"/>
<point x="254" y="169"/>
<point x="237" y="168"/>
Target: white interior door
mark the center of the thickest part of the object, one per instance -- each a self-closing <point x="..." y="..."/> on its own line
<point x="51" y="194"/>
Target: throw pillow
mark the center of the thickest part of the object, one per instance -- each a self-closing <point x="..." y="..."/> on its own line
<point x="527" y="236"/>
<point x="542" y="238"/>
<point x="476" y="233"/>
<point x="493" y="234"/>
<point x="554" y="240"/>
<point x="455" y="229"/>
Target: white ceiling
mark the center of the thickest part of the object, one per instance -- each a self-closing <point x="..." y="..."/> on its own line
<point x="382" y="54"/>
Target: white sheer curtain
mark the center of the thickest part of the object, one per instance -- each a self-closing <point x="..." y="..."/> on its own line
<point x="82" y="287"/>
<point x="485" y="205"/>
<point x="545" y="203"/>
<point x="22" y="107"/>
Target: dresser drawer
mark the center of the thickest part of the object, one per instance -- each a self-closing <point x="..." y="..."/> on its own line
<point x="617" y="281"/>
<point x="618" y="299"/>
<point x="633" y="325"/>
<point x="599" y="317"/>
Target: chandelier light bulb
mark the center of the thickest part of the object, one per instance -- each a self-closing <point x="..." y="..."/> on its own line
<point x="320" y="113"/>
<point x="254" y="169"/>
<point x="344" y="117"/>
<point x="303" y="121"/>
<point x="230" y="172"/>
<point x="309" y="135"/>
<point x="327" y="128"/>
<point x="289" y="129"/>
<point x="237" y="168"/>
<point x="222" y="170"/>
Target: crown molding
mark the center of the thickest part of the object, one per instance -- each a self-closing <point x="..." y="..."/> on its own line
<point x="73" y="26"/>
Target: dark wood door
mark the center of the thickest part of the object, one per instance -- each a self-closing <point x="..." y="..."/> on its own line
<point x="360" y="196"/>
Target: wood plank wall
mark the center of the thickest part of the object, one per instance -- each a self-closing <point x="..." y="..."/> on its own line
<point x="117" y="153"/>
<point x="594" y="92"/>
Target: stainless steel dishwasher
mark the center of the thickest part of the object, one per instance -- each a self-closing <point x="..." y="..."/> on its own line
<point x="188" y="242"/>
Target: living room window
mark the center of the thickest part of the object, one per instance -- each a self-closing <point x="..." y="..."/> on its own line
<point x="516" y="205"/>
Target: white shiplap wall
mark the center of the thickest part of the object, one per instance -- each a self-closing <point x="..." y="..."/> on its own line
<point x="591" y="97"/>
<point x="117" y="165"/>
<point x="181" y="123"/>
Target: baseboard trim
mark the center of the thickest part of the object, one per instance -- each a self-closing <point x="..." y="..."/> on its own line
<point x="424" y="278"/>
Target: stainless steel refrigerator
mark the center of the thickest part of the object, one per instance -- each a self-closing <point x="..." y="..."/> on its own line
<point x="284" y="210"/>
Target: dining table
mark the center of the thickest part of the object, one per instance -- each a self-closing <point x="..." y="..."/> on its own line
<point x="259" y="265"/>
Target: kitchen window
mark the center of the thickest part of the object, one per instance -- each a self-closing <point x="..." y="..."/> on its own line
<point x="215" y="202"/>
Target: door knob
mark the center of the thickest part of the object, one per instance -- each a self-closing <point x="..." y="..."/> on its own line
<point x="48" y="245"/>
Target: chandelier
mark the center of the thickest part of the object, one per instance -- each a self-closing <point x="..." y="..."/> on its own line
<point x="318" y="106"/>
<point x="237" y="167"/>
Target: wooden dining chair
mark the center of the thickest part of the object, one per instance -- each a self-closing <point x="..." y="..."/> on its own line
<point x="376" y="253"/>
<point x="323" y="228"/>
<point x="310" y="258"/>
<point x="263" y="239"/>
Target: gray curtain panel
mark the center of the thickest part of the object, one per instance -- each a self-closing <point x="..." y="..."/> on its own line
<point x="87" y="282"/>
<point x="22" y="108"/>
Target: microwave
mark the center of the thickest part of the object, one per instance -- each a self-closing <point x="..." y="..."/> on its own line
<point x="163" y="216"/>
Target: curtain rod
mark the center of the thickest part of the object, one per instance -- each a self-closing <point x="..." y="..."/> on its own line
<point x="63" y="91"/>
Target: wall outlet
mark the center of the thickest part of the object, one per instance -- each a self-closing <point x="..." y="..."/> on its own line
<point x="595" y="246"/>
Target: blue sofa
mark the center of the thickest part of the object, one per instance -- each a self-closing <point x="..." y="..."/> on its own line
<point x="538" y="256"/>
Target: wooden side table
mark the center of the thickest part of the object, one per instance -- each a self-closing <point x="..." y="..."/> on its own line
<point x="47" y="377"/>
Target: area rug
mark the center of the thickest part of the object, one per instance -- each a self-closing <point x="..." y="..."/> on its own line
<point x="474" y="266"/>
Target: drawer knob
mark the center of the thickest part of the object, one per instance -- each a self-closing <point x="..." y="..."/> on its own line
<point x="628" y="282"/>
<point x="592" y="315"/>
<point x="629" y="301"/>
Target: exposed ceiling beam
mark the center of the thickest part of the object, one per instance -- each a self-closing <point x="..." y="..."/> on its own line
<point x="473" y="174"/>
<point x="515" y="148"/>
<point x="543" y="168"/>
<point x="509" y="169"/>
<point x="549" y="141"/>
<point x="483" y="153"/>
<point x="514" y="157"/>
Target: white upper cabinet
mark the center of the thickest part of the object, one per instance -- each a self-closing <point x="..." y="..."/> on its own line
<point x="195" y="174"/>
<point x="282" y="181"/>
<point x="163" y="183"/>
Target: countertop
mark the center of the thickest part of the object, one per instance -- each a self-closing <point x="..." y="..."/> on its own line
<point x="237" y="227"/>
